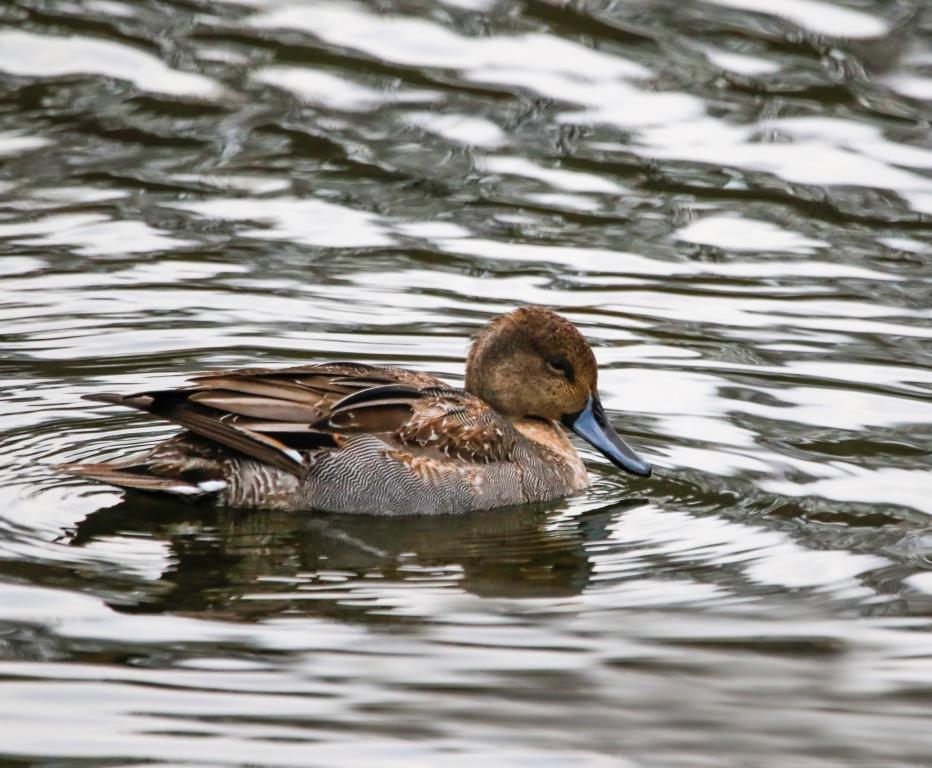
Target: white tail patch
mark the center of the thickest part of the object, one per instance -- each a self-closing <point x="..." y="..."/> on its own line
<point x="207" y="486"/>
<point x="184" y="490"/>
<point x="212" y="486"/>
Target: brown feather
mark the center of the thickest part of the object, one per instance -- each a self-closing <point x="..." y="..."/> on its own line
<point x="254" y="444"/>
<point x="258" y="425"/>
<point x="257" y="407"/>
<point x="202" y="421"/>
<point x="271" y="414"/>
<point x="373" y="418"/>
<point x="279" y="390"/>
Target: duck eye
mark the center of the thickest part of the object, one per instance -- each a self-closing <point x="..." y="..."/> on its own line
<point x="563" y="367"/>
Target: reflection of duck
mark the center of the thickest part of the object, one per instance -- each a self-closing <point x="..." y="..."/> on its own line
<point x="321" y="563"/>
<point x="347" y="437"/>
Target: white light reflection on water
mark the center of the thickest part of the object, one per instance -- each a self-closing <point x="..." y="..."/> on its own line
<point x="314" y="87"/>
<point x="819" y="17"/>
<point x="734" y="233"/>
<point x="30" y="55"/>
<point x="309" y="222"/>
<point x="91" y="235"/>
<point x="462" y="129"/>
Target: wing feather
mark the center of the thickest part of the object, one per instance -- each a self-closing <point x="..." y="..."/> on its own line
<point x="433" y="420"/>
<point x="272" y="415"/>
<point x="269" y="408"/>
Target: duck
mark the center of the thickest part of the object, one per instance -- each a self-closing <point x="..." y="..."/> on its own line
<point x="349" y="437"/>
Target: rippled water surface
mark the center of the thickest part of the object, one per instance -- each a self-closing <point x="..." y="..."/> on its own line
<point x="732" y="199"/>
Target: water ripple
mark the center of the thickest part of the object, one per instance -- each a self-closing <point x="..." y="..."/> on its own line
<point x="733" y="203"/>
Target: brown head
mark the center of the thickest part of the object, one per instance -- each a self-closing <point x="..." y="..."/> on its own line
<point x="532" y="362"/>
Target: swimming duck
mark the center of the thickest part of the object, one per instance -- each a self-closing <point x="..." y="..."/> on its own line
<point x="355" y="438"/>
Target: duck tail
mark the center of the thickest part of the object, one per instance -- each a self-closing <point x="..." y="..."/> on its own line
<point x="142" y="402"/>
<point x="135" y="476"/>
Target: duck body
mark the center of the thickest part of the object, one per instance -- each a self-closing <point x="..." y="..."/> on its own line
<point x="355" y="438"/>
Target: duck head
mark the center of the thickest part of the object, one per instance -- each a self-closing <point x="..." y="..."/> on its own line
<point x="532" y="362"/>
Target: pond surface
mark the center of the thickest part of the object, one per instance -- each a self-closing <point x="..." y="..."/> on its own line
<point x="733" y="204"/>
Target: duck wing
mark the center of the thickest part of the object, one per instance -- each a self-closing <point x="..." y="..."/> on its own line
<point x="433" y="422"/>
<point x="271" y="415"/>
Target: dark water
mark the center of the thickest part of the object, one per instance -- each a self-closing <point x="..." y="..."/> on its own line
<point x="736" y="207"/>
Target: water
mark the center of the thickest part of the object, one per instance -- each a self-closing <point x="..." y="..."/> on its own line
<point x="735" y="207"/>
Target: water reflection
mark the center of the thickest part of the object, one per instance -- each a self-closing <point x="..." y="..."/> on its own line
<point x="249" y="564"/>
